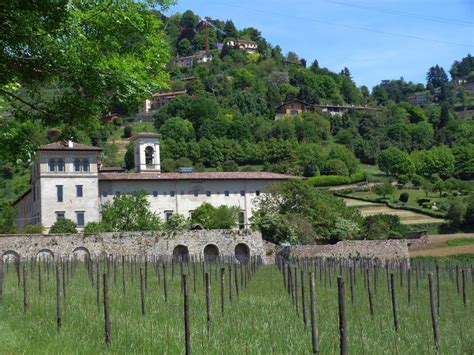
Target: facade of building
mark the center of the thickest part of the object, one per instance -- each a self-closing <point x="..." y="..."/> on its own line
<point x="246" y="45"/>
<point x="188" y="61"/>
<point x="296" y="107"/>
<point x="292" y="108"/>
<point x="420" y="98"/>
<point x="159" y="99"/>
<point x="67" y="182"/>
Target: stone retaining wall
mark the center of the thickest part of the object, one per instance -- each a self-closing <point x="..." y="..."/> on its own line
<point x="200" y="243"/>
<point x="384" y="250"/>
<point x="242" y="243"/>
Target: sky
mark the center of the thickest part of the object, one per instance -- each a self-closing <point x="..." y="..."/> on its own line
<point x="376" y="40"/>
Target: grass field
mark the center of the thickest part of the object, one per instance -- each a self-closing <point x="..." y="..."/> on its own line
<point x="261" y="320"/>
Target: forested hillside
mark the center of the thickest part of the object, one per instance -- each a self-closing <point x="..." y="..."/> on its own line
<point x="225" y="120"/>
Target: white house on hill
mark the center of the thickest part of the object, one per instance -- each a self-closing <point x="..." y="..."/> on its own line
<point x="68" y="182"/>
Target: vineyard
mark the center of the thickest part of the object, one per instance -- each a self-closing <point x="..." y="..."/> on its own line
<point x="129" y="305"/>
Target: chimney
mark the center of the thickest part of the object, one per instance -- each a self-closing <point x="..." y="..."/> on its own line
<point x="70" y="144"/>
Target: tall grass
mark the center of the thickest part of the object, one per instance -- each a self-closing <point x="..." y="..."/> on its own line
<point x="261" y="320"/>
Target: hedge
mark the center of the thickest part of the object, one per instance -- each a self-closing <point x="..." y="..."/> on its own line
<point x="429" y="213"/>
<point x="334" y="180"/>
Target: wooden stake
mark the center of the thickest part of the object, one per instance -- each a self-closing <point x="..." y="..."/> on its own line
<point x="434" y="318"/>
<point x="142" y="291"/>
<point x="371" y="305"/>
<point x="343" y="340"/>
<point x="208" y="303"/>
<point x="222" y="289"/>
<point x="187" y="334"/>
<point x="394" y="302"/>
<point x="25" y="289"/>
<point x="303" y="298"/>
<point x="314" y="327"/>
<point x="107" y="332"/>
<point x="58" y="299"/>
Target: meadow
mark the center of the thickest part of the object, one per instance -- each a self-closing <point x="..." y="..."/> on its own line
<point x="265" y="317"/>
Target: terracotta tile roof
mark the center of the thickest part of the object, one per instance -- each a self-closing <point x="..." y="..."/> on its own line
<point x="64" y="146"/>
<point x="195" y="176"/>
<point x="145" y="135"/>
<point x="111" y="169"/>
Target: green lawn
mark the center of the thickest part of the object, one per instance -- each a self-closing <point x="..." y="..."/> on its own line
<point x="261" y="320"/>
<point x="415" y="194"/>
<point x="460" y="242"/>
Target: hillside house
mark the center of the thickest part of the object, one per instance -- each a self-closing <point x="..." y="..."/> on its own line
<point x="159" y="99"/>
<point x="68" y="182"/>
<point x="292" y="108"/>
<point x="420" y="98"/>
<point x="246" y="45"/>
<point x="188" y="61"/>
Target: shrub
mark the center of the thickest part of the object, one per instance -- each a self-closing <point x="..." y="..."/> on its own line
<point x="422" y="201"/>
<point x="33" y="229"/>
<point x="404" y="197"/>
<point x="383" y="226"/>
<point x="329" y="180"/>
<point x="358" y="177"/>
<point x="94" y="227"/>
<point x="403" y="180"/>
<point x="63" y="226"/>
<point x="416" y="180"/>
<point x="444" y="194"/>
<point x="4" y="229"/>
<point x="456" y="212"/>
<point x="127" y="132"/>
<point x="334" y="167"/>
<point x="383" y="189"/>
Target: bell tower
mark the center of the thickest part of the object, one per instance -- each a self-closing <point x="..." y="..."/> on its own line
<point x="147" y="152"/>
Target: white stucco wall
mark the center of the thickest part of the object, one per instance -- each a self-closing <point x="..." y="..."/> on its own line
<point x="71" y="204"/>
<point x="184" y="200"/>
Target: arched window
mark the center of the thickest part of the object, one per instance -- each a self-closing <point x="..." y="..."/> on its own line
<point x="85" y="165"/>
<point x="60" y="165"/>
<point x="77" y="165"/>
<point x="51" y="164"/>
<point x="149" y="152"/>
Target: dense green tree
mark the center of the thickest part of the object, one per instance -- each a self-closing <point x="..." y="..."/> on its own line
<point x="176" y="128"/>
<point x="129" y="212"/>
<point x="436" y="76"/>
<point x="97" y="53"/>
<point x="211" y="217"/>
<point x="395" y="162"/>
<point x="309" y="212"/>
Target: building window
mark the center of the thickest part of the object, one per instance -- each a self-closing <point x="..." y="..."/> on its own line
<point x="155" y="193"/>
<point x="242" y="193"/>
<point x="172" y="193"/>
<point x="208" y="193"/>
<point x="77" y="165"/>
<point x="168" y="215"/>
<point x="80" y="219"/>
<point x="60" y="165"/>
<point x="226" y="193"/>
<point x="51" y="165"/>
<point x="196" y="193"/>
<point x="257" y="192"/>
<point x="60" y="215"/>
<point x="59" y="193"/>
<point x="85" y="165"/>
<point x="79" y="191"/>
<point x="149" y="152"/>
<point x="104" y="194"/>
<point x="241" y="220"/>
